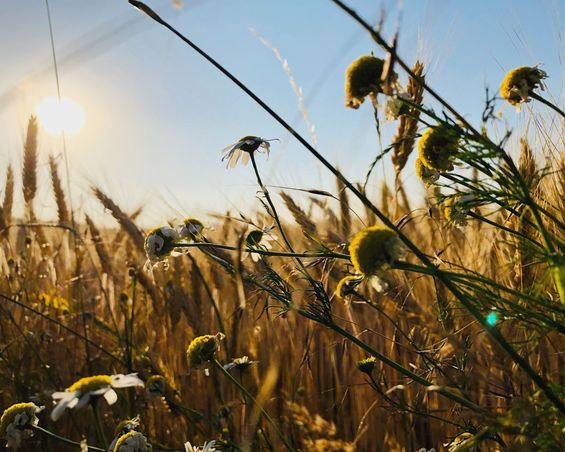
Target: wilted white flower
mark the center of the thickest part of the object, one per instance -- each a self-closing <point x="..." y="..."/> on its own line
<point x="191" y="229"/>
<point x="207" y="447"/>
<point x="258" y="239"/>
<point x="456" y="209"/>
<point x="124" y="427"/>
<point x="132" y="442"/>
<point x="244" y="148"/>
<point x="160" y="243"/>
<point x="79" y="393"/>
<point x="17" y="421"/>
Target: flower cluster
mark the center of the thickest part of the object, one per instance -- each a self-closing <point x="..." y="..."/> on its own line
<point x="17" y="422"/>
<point x="82" y="391"/>
<point x="362" y="79"/>
<point x="519" y="83"/>
<point x="203" y="349"/>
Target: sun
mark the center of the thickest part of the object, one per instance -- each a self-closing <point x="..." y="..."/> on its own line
<point x="57" y="117"/>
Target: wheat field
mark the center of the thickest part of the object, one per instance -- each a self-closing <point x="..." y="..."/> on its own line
<point x="465" y="331"/>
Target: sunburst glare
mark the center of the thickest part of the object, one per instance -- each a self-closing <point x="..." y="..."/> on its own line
<point x="56" y="117"/>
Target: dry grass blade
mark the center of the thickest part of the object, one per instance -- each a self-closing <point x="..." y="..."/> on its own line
<point x="29" y="176"/>
<point x="405" y="137"/>
<point x="345" y="212"/>
<point x="299" y="215"/>
<point x="125" y="222"/>
<point x="62" y="209"/>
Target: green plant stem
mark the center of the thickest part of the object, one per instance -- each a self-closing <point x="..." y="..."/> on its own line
<point x="493" y="333"/>
<point x="98" y="422"/>
<point x="248" y="394"/>
<point x="62" y="439"/>
<point x="264" y="252"/>
<point x="547" y="103"/>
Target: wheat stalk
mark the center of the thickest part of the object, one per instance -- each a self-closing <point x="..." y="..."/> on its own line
<point x="62" y="210"/>
<point x="29" y="175"/>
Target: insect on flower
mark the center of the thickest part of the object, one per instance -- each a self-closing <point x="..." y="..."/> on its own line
<point x="244" y="148"/>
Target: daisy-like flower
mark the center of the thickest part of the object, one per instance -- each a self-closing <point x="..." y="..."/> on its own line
<point x="17" y="421"/>
<point x="240" y="363"/>
<point x="244" y="148"/>
<point x="124" y="427"/>
<point x="374" y="249"/>
<point x="520" y="83"/>
<point x="159" y="244"/>
<point x="426" y="175"/>
<point x="132" y="442"/>
<point x="203" y="349"/>
<point x="367" y="365"/>
<point x="258" y="239"/>
<point x="191" y="229"/>
<point x="207" y="447"/>
<point x="156" y="385"/>
<point x="437" y="147"/>
<point x="362" y="79"/>
<point x="347" y="285"/>
<point x="456" y="209"/>
<point x="82" y="391"/>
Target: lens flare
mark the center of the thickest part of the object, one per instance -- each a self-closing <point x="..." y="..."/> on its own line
<point x="57" y="117"/>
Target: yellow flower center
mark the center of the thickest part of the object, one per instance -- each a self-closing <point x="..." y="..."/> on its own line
<point x="437" y="147"/>
<point x="374" y="249"/>
<point x="90" y="383"/>
<point x="11" y="412"/>
<point x="362" y="78"/>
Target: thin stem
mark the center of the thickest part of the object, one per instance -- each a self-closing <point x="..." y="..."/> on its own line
<point x="547" y="103"/>
<point x="248" y="394"/>
<point x="98" y="422"/>
<point x="62" y="439"/>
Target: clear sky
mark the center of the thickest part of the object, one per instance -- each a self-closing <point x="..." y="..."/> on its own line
<point x="158" y="115"/>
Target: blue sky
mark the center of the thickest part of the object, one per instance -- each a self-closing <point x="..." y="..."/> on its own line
<point x="158" y="115"/>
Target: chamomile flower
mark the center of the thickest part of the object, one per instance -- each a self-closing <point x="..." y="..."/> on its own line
<point x="437" y="147"/>
<point x="362" y="79"/>
<point x="244" y="148"/>
<point x="374" y="249"/>
<point x="17" y="422"/>
<point x="458" y="441"/>
<point x="132" y="442"/>
<point x="124" y="427"/>
<point x="426" y="175"/>
<point x="207" y="447"/>
<point x="191" y="229"/>
<point x="240" y="363"/>
<point x="519" y="83"/>
<point x="159" y="244"/>
<point x="259" y="239"/>
<point x="456" y="209"/>
<point x="203" y="349"/>
<point x="82" y="391"/>
<point x="367" y="365"/>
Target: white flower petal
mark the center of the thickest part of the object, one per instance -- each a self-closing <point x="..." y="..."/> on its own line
<point x="111" y="396"/>
<point x="85" y="398"/>
<point x="126" y="381"/>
